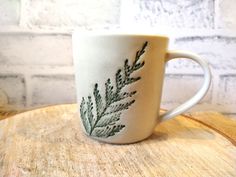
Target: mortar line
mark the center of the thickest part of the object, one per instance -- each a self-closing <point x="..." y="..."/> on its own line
<point x="28" y="88"/>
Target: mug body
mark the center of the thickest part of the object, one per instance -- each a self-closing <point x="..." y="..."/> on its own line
<point x="119" y="80"/>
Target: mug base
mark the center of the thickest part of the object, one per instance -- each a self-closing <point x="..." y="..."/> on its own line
<point x="120" y="142"/>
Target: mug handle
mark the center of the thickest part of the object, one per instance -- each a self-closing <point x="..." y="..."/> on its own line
<point x="173" y="54"/>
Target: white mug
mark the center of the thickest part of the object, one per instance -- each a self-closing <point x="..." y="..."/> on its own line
<point x="119" y="79"/>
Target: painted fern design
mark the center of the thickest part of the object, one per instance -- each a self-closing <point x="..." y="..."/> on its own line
<point x="103" y="120"/>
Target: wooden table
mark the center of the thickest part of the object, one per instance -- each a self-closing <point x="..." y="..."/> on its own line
<point x="48" y="142"/>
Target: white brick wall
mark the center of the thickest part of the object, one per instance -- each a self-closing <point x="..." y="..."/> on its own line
<point x="228" y="85"/>
<point x="62" y="91"/>
<point x="169" y="13"/>
<point x="9" y="12"/>
<point x="175" y="84"/>
<point x="13" y="86"/>
<point x="69" y="13"/>
<point x="225" y="13"/>
<point x="36" y="51"/>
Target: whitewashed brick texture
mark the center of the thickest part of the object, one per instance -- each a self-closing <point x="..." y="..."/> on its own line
<point x="169" y="13"/>
<point x="178" y="88"/>
<point x="227" y="95"/>
<point x="226" y="13"/>
<point x="3" y="98"/>
<point x="70" y="13"/>
<point x="13" y="87"/>
<point x="36" y="59"/>
<point x="35" y="49"/>
<point x="9" y="12"/>
<point x="219" y="51"/>
<point x="51" y="89"/>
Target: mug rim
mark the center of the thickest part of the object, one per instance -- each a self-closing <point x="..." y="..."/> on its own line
<point x="118" y="33"/>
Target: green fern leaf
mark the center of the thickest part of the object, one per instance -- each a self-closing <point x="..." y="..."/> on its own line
<point x="119" y="107"/>
<point x="119" y="80"/>
<point x="108" y="131"/>
<point x="83" y="115"/>
<point x="124" y="95"/>
<point x="109" y="120"/>
<point x="115" y="129"/>
<point x="127" y="68"/>
<point x="138" y="65"/>
<point x="108" y="110"/>
<point x="98" y="100"/>
<point x="90" y="111"/>
<point x="109" y="92"/>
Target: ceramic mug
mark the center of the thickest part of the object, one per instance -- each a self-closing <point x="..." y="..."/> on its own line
<point x="119" y="79"/>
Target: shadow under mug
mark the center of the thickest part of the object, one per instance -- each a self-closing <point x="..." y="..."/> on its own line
<point x="119" y="79"/>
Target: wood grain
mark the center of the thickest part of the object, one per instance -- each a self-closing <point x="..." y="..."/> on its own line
<point x="217" y="122"/>
<point x="5" y="113"/>
<point x="49" y="142"/>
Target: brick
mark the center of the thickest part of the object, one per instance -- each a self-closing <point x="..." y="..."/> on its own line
<point x="9" y="12"/>
<point x="69" y="13"/>
<point x="3" y="98"/>
<point x="227" y="86"/>
<point x="225" y="14"/>
<point x="53" y="89"/>
<point x="168" y="13"/>
<point x="179" y="88"/>
<point x="33" y="49"/>
<point x="218" y="51"/>
<point x="13" y="87"/>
